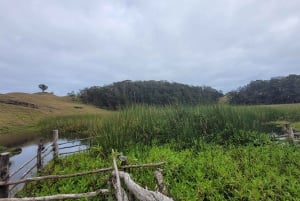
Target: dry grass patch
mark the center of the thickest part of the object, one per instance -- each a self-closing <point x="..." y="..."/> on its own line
<point x="19" y="110"/>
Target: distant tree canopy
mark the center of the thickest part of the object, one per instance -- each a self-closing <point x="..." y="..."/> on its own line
<point x="43" y="87"/>
<point x="121" y="94"/>
<point x="275" y="91"/>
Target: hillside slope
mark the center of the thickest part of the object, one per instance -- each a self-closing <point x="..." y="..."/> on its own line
<point x="18" y="110"/>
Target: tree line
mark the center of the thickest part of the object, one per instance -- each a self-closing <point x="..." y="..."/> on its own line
<point x="121" y="94"/>
<point x="278" y="90"/>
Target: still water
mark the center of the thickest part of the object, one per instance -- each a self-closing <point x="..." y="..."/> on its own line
<point x="29" y="151"/>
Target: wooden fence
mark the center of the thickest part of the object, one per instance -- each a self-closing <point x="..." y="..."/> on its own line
<point x="42" y="152"/>
<point x="6" y="186"/>
<point x="289" y="133"/>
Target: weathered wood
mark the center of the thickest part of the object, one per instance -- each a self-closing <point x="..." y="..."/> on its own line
<point x="291" y="133"/>
<point x="47" y="154"/>
<point x="56" y="176"/>
<point x="72" y="141"/>
<point x="139" y="192"/>
<point x="73" y="152"/>
<point x="4" y="174"/>
<point x="39" y="158"/>
<point x="47" y="147"/>
<point x="61" y="196"/>
<point x="159" y="182"/>
<point x="118" y="183"/>
<point x="149" y="165"/>
<point x="68" y="147"/>
<point x="77" y="174"/>
<point x="55" y="145"/>
<point x="123" y="192"/>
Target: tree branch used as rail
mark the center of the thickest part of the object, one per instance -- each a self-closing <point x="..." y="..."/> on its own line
<point x="72" y="141"/>
<point x="60" y="196"/>
<point x="77" y="174"/>
<point x="43" y="157"/>
<point x="72" y="152"/>
<point x="47" y="147"/>
<point x="118" y="182"/>
<point x="78" y="145"/>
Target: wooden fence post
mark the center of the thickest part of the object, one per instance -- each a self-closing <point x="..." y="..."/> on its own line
<point x="161" y="187"/>
<point x="39" y="156"/>
<point x="4" y="173"/>
<point x="55" y="145"/>
<point x="291" y="133"/>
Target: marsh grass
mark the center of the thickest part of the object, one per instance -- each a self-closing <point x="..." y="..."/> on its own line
<point x="218" y="124"/>
<point x="72" y="125"/>
<point x="213" y="152"/>
<point x="185" y="125"/>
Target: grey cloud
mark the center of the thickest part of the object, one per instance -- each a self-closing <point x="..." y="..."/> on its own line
<point x="76" y="44"/>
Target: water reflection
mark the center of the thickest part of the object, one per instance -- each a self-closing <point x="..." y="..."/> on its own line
<point x="29" y="152"/>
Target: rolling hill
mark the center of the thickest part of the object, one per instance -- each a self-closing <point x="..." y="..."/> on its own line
<point x="21" y="110"/>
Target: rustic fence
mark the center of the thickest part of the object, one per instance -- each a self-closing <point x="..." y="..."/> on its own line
<point x="42" y="153"/>
<point x="6" y="186"/>
<point x="289" y="133"/>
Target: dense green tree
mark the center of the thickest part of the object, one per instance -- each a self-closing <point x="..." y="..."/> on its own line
<point x="121" y="94"/>
<point x="274" y="91"/>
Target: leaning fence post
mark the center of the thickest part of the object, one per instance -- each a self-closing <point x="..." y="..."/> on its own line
<point x="4" y="173"/>
<point x="55" y="145"/>
<point x="39" y="156"/>
<point x="291" y="133"/>
<point x="161" y="187"/>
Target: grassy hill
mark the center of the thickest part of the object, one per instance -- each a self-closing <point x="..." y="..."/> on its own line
<point x="20" y="112"/>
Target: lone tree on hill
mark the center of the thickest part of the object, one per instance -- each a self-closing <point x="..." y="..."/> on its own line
<point x="43" y="87"/>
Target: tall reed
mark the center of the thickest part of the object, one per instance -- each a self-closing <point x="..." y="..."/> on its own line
<point x="184" y="124"/>
<point x="221" y="124"/>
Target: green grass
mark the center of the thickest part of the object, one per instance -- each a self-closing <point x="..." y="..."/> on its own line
<point x="213" y="152"/>
<point x="269" y="172"/>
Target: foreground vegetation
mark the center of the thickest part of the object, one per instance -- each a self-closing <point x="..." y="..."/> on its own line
<point x="269" y="172"/>
<point x="213" y="152"/>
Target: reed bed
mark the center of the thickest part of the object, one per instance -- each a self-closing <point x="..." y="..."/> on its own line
<point x="212" y="152"/>
<point x="219" y="124"/>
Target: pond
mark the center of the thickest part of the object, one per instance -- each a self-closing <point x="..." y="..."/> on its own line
<point x="29" y="151"/>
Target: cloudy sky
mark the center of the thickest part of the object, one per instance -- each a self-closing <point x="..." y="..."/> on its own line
<point x="72" y="44"/>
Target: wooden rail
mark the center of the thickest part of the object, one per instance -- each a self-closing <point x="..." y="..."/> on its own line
<point x="121" y="192"/>
<point x="42" y="153"/>
<point x="79" y="174"/>
<point x="61" y="196"/>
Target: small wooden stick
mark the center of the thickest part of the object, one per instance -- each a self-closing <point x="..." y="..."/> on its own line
<point x="118" y="183"/>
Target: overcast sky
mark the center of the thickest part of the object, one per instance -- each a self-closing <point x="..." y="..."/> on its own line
<point x="72" y="44"/>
